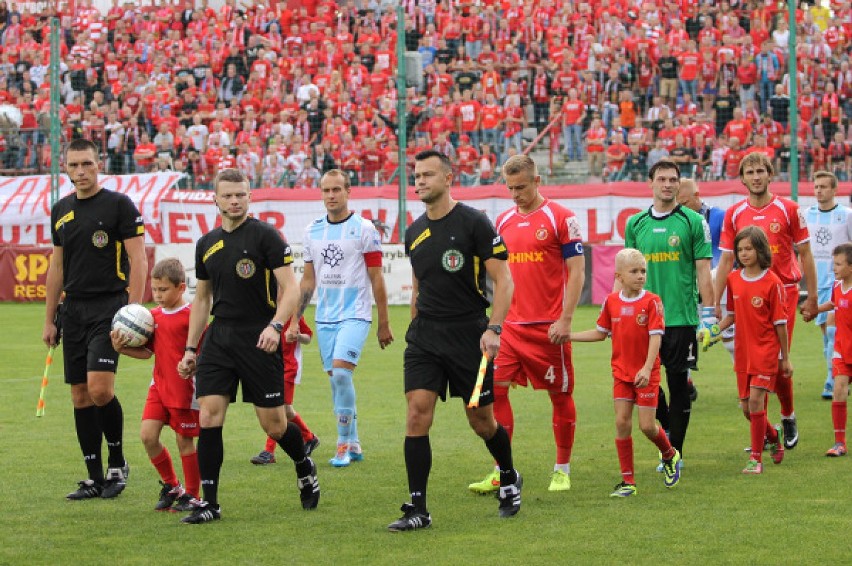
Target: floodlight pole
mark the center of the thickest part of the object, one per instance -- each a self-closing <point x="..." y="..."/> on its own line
<point x="793" y="70"/>
<point x="55" y="131"/>
<point x="401" y="118"/>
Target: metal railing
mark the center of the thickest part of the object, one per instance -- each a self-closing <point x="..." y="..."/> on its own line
<point x="554" y="141"/>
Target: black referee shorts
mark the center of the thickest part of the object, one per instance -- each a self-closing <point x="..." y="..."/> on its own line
<point x="679" y="349"/>
<point x="229" y="356"/>
<point x="445" y="353"/>
<point x="85" y="336"/>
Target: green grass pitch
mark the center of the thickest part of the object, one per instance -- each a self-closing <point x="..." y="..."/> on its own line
<point x="794" y="513"/>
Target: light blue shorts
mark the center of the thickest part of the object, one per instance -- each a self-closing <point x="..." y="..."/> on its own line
<point x="342" y="340"/>
<point x="823" y="296"/>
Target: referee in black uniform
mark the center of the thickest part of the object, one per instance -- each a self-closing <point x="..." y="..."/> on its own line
<point x="246" y="280"/>
<point x="98" y="254"/>
<point x="451" y="247"/>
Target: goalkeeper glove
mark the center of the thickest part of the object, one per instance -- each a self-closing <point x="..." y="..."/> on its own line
<point x="708" y="330"/>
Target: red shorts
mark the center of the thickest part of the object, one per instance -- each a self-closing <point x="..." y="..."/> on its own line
<point x="182" y="421"/>
<point x="792" y="307"/>
<point x="745" y="382"/>
<point x="289" y="389"/>
<point x="839" y="367"/>
<point x="527" y="356"/>
<point x="640" y="396"/>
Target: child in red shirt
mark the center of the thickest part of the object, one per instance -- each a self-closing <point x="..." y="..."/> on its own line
<point x="756" y="301"/>
<point x="633" y="317"/>
<point x="171" y="399"/>
<point x="841" y="304"/>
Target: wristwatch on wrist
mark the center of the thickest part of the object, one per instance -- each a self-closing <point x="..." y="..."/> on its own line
<point x="192" y="349"/>
<point x="495" y="328"/>
<point x="277" y="326"/>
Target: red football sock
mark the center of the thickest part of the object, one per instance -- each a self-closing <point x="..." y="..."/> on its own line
<point x="624" y="447"/>
<point x="771" y="433"/>
<point x="303" y="427"/>
<point x="784" y="391"/>
<point x="503" y="409"/>
<point x="663" y="445"/>
<point x="271" y="443"/>
<point x="163" y="463"/>
<point x="191" y="475"/>
<point x="838" y="417"/>
<point x="758" y="431"/>
<point x="564" y="425"/>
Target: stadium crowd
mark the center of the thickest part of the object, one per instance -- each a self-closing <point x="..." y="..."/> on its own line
<point x="286" y="93"/>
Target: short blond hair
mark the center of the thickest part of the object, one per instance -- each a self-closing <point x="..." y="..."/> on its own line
<point x="832" y="178"/>
<point x="628" y="256"/>
<point x="520" y="164"/>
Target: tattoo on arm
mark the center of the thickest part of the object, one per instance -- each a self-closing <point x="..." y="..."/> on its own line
<point x="304" y="302"/>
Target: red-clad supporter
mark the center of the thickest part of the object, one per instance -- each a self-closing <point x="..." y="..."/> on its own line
<point x="733" y="157"/>
<point x="468" y="160"/>
<point x="739" y="128"/>
<point x="468" y="115"/>
<point x="773" y="131"/>
<point x="371" y="166"/>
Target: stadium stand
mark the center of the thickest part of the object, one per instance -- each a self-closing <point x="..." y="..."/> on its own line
<point x="286" y="91"/>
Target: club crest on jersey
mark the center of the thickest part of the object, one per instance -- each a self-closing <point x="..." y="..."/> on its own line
<point x="642" y="319"/>
<point x="100" y="239"/>
<point x="674" y="240"/>
<point x="757" y="302"/>
<point x="246" y="268"/>
<point x="332" y="255"/>
<point x="843" y="303"/>
<point x="452" y="260"/>
<point x="775" y="227"/>
<point x="541" y="234"/>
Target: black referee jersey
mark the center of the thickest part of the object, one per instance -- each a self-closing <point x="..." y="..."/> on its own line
<point x="91" y="233"/>
<point x="239" y="265"/>
<point x="447" y="257"/>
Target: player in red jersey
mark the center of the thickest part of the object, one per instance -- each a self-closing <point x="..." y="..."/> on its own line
<point x="841" y="304"/>
<point x="757" y="303"/>
<point x="171" y="399"/>
<point x="292" y="354"/>
<point x="546" y="261"/>
<point x="633" y="317"/>
<point x="786" y="228"/>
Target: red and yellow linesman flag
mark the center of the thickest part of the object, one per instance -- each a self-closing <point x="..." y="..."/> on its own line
<point x="47" y="362"/>
<point x="480" y="378"/>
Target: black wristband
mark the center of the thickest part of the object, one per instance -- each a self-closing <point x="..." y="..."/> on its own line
<point x="192" y="349"/>
<point x="495" y="328"/>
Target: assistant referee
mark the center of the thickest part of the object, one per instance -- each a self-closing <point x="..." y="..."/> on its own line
<point x="452" y="246"/>
<point x="98" y="257"/>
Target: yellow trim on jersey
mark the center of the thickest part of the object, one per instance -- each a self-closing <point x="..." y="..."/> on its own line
<point x="212" y="250"/>
<point x="121" y="274"/>
<point x="498" y="249"/>
<point x="426" y="233"/>
<point x="269" y="300"/>
<point x="476" y="274"/>
<point x="67" y="218"/>
<point x="140" y="230"/>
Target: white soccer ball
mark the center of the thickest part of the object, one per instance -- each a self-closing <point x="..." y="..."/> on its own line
<point x="136" y="324"/>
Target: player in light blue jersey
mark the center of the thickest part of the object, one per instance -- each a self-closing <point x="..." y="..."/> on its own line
<point x="343" y="262"/>
<point x="830" y="224"/>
